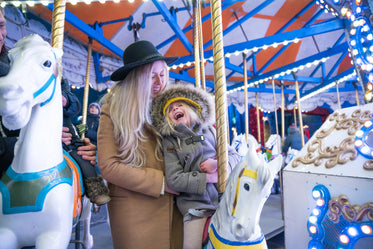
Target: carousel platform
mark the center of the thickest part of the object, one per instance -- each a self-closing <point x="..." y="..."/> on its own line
<point x="271" y="223"/>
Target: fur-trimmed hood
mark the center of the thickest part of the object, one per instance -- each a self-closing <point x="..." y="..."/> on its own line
<point x="188" y="91"/>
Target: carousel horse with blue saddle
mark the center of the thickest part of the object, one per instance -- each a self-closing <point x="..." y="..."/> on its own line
<point x="41" y="192"/>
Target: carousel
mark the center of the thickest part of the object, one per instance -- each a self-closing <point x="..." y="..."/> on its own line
<point x="269" y="64"/>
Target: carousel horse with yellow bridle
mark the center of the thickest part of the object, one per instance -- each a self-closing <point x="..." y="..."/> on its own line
<point x="40" y="193"/>
<point x="235" y="224"/>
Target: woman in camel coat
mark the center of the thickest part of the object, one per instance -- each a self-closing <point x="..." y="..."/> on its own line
<point x="141" y="210"/>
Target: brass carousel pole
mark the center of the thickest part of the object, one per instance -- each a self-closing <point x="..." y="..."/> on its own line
<point x="258" y="119"/>
<point x="339" y="102"/>
<point x="275" y="109"/>
<point x="197" y="74"/>
<point x="356" y="95"/>
<point x="299" y="109"/>
<point x="86" y="86"/>
<point x="246" y="100"/>
<point x="58" y="23"/>
<point x="282" y="113"/>
<point x="220" y="94"/>
<point x="200" y="35"/>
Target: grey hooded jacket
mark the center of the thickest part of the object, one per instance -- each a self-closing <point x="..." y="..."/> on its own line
<point x="183" y="158"/>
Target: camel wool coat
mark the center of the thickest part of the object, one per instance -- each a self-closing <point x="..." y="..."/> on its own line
<point x="140" y="217"/>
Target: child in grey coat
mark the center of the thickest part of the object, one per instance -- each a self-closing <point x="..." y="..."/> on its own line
<point x="184" y="116"/>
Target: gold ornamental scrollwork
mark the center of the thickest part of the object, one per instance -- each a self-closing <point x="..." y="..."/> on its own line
<point x="353" y="213"/>
<point x="330" y="156"/>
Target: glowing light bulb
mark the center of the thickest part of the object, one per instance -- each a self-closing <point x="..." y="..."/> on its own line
<point x="312" y="219"/>
<point x="344" y="11"/>
<point x="366" y="229"/>
<point x="365" y="150"/>
<point x="313" y="229"/>
<point x="358" y="143"/>
<point x="316" y="194"/>
<point x="316" y="212"/>
<point x="367" y="124"/>
<point x="352" y="231"/>
<point x="343" y="239"/>
<point x="320" y="202"/>
<point x="16" y="4"/>
<point x="359" y="133"/>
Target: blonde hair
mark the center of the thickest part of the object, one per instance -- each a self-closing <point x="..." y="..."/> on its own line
<point x="134" y="93"/>
<point x="2" y="11"/>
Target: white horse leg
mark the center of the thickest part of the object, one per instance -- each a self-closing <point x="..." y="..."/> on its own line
<point x="86" y="218"/>
<point x="8" y="239"/>
<point x="53" y="239"/>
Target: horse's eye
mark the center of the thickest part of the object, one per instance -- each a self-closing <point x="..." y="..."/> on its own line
<point x="246" y="186"/>
<point x="47" y="63"/>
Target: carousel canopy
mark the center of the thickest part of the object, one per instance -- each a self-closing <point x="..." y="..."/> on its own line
<point x="283" y="41"/>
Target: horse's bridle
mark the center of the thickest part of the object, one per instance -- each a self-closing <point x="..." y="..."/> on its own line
<point x="244" y="172"/>
<point x="46" y="85"/>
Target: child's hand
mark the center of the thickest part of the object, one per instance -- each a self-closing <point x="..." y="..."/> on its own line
<point x="66" y="136"/>
<point x="212" y="177"/>
<point x="209" y="166"/>
<point x="169" y="190"/>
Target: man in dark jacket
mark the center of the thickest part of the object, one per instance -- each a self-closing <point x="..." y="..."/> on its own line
<point x="293" y="139"/>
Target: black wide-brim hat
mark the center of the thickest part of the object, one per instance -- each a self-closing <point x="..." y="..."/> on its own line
<point x="137" y="54"/>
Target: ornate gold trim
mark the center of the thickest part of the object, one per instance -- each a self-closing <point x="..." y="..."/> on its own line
<point x="346" y="151"/>
<point x="341" y="206"/>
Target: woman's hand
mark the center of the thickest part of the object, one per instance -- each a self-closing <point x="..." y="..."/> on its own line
<point x="88" y="151"/>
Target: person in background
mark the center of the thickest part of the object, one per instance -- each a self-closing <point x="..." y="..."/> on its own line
<point x="184" y="115"/>
<point x="93" y="118"/>
<point x="293" y="139"/>
<point x="306" y="131"/>
<point x="141" y="210"/>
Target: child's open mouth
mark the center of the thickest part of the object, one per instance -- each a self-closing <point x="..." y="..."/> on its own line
<point x="178" y="115"/>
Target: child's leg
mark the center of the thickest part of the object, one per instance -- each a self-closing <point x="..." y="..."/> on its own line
<point x="88" y="170"/>
<point x="96" y="190"/>
<point x="193" y="231"/>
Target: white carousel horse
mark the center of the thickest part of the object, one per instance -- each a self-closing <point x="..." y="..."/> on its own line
<point x="292" y="153"/>
<point x="235" y="223"/>
<point x="37" y="192"/>
<point x="272" y="146"/>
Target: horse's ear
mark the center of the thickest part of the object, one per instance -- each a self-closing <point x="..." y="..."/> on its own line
<point x="58" y="52"/>
<point x="275" y="164"/>
<point x="252" y="156"/>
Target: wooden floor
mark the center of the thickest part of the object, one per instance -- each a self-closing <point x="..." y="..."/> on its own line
<point x="271" y="223"/>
